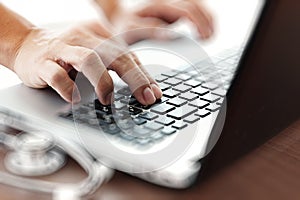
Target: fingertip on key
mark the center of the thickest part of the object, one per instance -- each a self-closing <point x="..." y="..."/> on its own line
<point x="149" y="96"/>
<point x="156" y="90"/>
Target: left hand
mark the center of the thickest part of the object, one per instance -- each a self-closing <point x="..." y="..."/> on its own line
<point x="158" y="14"/>
<point x="45" y="58"/>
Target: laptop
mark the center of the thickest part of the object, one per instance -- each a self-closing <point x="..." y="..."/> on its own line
<point x="204" y="97"/>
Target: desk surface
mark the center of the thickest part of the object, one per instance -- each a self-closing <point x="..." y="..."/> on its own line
<point x="271" y="171"/>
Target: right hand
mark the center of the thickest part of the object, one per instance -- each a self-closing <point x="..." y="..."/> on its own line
<point x="45" y="58"/>
<point x="156" y="14"/>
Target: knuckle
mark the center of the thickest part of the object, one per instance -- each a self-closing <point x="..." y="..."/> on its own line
<point x="75" y="34"/>
<point x="53" y="44"/>
<point x="88" y="57"/>
<point x="123" y="60"/>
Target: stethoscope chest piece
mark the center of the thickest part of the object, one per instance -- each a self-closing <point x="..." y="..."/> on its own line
<point x="34" y="154"/>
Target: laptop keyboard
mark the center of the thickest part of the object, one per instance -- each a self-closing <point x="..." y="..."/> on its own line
<point x="188" y="96"/>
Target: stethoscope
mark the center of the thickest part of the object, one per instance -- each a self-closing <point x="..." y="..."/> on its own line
<point x="37" y="154"/>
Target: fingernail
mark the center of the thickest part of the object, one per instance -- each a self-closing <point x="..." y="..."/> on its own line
<point x="149" y="96"/>
<point x="157" y="91"/>
<point x="76" y="98"/>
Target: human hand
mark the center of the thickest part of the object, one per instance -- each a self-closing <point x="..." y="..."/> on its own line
<point x="45" y="58"/>
<point x="158" y="14"/>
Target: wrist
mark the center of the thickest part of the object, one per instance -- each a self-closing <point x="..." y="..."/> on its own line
<point x="15" y="31"/>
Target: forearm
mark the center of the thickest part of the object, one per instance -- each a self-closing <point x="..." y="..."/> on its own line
<point x="14" y="30"/>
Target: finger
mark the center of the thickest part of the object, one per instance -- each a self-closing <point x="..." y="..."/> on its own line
<point x="83" y="38"/>
<point x="57" y="78"/>
<point x="113" y="54"/>
<point x="98" y="29"/>
<point x="172" y="12"/>
<point x="131" y="73"/>
<point x="208" y="16"/>
<point x="154" y="86"/>
<point x="90" y="64"/>
<point x="145" y="28"/>
<point x="205" y="14"/>
<point x="197" y="17"/>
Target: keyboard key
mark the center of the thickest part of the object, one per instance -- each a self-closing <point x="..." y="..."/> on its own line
<point x="171" y="93"/>
<point x="108" y="119"/>
<point x="158" y="101"/>
<point x="172" y="81"/>
<point x="134" y="110"/>
<point x="83" y="110"/>
<point x="101" y="107"/>
<point x="125" y="124"/>
<point x="157" y="136"/>
<point x="177" y="102"/>
<point x="129" y="101"/>
<point x="193" y="83"/>
<point x="118" y="97"/>
<point x="148" y="115"/>
<point x="93" y="122"/>
<point x="160" y="78"/>
<point x="188" y="96"/>
<point x="201" y="78"/>
<point x="122" y="114"/>
<point x="168" y="131"/>
<point x="143" y="141"/>
<point x="112" y="129"/>
<point x="140" y="131"/>
<point x="161" y="100"/>
<point x="200" y="91"/>
<point x="211" y="98"/>
<point x="202" y="113"/>
<point x="139" y="120"/>
<point x="193" y="72"/>
<point x="118" y="105"/>
<point x="182" y="88"/>
<point x="99" y="114"/>
<point x="164" y="120"/>
<point x="220" y="102"/>
<point x="182" y="112"/>
<point x="211" y="86"/>
<point x="191" y="119"/>
<point x="199" y="103"/>
<point x="170" y="74"/>
<point x="179" y="125"/>
<point x="126" y="136"/>
<point x="213" y="107"/>
<point x="183" y="77"/>
<point x="154" y="126"/>
<point x="164" y="86"/>
<point x="162" y="108"/>
<point x="220" y="92"/>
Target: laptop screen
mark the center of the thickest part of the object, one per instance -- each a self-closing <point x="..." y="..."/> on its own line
<point x="263" y="98"/>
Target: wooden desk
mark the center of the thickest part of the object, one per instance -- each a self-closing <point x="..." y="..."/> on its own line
<point x="272" y="171"/>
